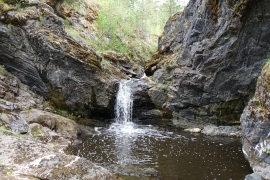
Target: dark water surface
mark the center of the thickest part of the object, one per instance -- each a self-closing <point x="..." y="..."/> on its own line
<point x="146" y="153"/>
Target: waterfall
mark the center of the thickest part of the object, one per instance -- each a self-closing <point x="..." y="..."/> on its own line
<point x="124" y="102"/>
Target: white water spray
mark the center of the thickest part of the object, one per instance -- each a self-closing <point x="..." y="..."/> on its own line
<point x="124" y="102"/>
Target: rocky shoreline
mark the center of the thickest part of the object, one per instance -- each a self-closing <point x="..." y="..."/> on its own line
<point x="32" y="140"/>
<point x="204" y="72"/>
<point x="27" y="158"/>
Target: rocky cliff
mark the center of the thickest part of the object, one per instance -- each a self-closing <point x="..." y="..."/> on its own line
<point x="209" y="57"/>
<point x="32" y="140"/>
<point x="35" y="46"/>
<point x="255" y="122"/>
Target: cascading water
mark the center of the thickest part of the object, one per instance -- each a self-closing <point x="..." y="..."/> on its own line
<point x="143" y="150"/>
<point x="124" y="102"/>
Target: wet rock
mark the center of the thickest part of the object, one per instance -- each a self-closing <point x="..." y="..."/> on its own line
<point x="132" y="170"/>
<point x="158" y="96"/>
<point x="210" y="52"/>
<point x="143" y="107"/>
<point x="193" y="130"/>
<point x="150" y="114"/>
<point x="255" y="123"/>
<point x="46" y="161"/>
<point x="124" y="64"/>
<point x="253" y="176"/>
<point x="212" y="130"/>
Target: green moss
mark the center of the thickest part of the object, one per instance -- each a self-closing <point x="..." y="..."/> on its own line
<point x="5" y="8"/>
<point x="235" y="7"/>
<point x="164" y="86"/>
<point x="62" y="112"/>
<point x="266" y="65"/>
<point x="266" y="150"/>
<point x="71" y="31"/>
<point x="3" y="70"/>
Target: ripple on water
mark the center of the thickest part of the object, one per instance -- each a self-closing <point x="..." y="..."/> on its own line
<point x="135" y="150"/>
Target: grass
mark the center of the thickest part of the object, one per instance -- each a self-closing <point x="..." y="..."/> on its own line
<point x="3" y="70"/>
<point x="266" y="150"/>
<point x="267" y="60"/>
<point x="235" y="7"/>
<point x="66" y="22"/>
<point x="161" y="85"/>
<point x="62" y="112"/>
<point x="4" y="130"/>
<point x="41" y="19"/>
<point x="76" y="35"/>
<point x="46" y="104"/>
<point x="73" y="4"/>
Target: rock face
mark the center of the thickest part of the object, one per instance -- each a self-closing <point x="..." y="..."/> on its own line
<point x="35" y="47"/>
<point x="22" y="111"/>
<point x="36" y="160"/>
<point x="143" y="108"/>
<point x="210" y="55"/>
<point x="255" y="122"/>
<point x="23" y="156"/>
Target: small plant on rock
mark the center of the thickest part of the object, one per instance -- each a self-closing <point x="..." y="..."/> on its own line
<point x="266" y="150"/>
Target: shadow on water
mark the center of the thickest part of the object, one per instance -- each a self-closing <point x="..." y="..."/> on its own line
<point x="143" y="152"/>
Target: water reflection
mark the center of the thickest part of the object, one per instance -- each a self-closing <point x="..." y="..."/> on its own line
<point x="143" y="151"/>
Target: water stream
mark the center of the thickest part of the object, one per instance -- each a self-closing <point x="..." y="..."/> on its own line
<point x="145" y="152"/>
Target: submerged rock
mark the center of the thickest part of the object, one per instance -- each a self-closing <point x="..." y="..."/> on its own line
<point x="211" y="130"/>
<point x="193" y="130"/>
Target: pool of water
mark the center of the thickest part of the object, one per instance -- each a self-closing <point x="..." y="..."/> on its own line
<point x="144" y="152"/>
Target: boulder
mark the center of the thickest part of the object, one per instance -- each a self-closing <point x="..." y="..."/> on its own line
<point x="211" y="130"/>
<point x="62" y="126"/>
<point x="36" y="160"/>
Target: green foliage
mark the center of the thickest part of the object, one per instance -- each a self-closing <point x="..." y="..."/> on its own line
<point x="266" y="150"/>
<point x="235" y="7"/>
<point x="4" y="71"/>
<point x="62" y="112"/>
<point x="71" y="31"/>
<point x="18" y="6"/>
<point x="132" y="27"/>
<point x="41" y="19"/>
<point x="71" y="115"/>
<point x="46" y="104"/>
<point x="70" y="1"/>
<point x="66" y="22"/>
<point x="266" y="64"/>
